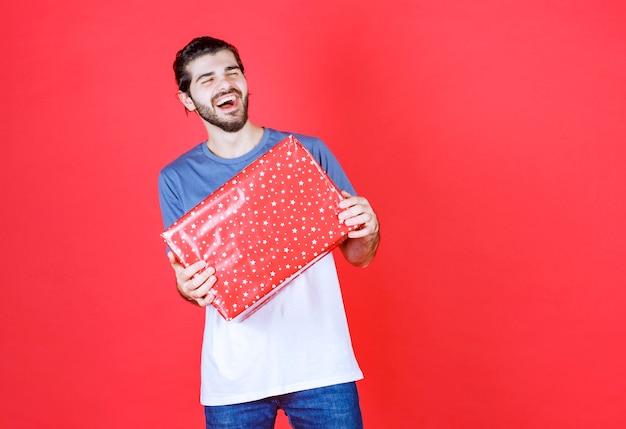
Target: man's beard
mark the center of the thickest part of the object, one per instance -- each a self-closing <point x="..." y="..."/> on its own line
<point x="233" y="125"/>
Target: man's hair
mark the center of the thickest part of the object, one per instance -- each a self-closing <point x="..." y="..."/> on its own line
<point x="196" y="48"/>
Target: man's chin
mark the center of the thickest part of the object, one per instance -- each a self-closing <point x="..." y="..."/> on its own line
<point x="231" y="127"/>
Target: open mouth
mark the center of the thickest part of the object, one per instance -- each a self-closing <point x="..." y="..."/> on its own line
<point x="226" y="102"/>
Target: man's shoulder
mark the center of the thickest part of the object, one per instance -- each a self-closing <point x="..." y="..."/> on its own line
<point x="184" y="160"/>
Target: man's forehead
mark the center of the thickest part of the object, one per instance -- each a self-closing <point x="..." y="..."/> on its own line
<point x="218" y="61"/>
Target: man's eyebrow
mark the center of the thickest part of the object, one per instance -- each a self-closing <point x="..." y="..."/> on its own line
<point x="211" y="73"/>
<point x="203" y="75"/>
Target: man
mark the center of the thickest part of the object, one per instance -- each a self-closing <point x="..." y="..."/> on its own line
<point x="295" y="352"/>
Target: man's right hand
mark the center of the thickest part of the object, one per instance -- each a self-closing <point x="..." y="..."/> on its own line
<point x="192" y="282"/>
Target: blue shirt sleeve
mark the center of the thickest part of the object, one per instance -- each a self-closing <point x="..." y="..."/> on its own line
<point x="328" y="161"/>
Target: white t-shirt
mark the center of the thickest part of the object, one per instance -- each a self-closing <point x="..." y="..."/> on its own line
<point x="298" y="340"/>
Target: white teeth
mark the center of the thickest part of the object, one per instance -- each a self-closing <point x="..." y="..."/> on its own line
<point x="226" y="100"/>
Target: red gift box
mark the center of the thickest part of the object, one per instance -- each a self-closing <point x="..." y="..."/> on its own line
<point x="262" y="228"/>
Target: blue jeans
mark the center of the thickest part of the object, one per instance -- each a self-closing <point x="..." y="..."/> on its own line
<point x="332" y="407"/>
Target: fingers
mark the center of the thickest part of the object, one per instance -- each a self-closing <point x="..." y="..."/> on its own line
<point x="199" y="287"/>
<point x="173" y="260"/>
<point x="207" y="299"/>
<point x="358" y="212"/>
<point x="195" y="282"/>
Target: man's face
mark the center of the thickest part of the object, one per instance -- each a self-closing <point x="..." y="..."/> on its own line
<point x="219" y="91"/>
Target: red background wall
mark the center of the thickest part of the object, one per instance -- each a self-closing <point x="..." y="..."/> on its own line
<point x="489" y="135"/>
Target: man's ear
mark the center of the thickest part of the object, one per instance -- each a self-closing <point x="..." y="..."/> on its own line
<point x="186" y="100"/>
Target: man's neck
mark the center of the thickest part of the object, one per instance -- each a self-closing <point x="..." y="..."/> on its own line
<point x="234" y="145"/>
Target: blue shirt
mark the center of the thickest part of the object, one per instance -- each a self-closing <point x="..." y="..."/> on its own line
<point x="197" y="173"/>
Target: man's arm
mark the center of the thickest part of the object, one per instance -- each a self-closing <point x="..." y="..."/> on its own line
<point x="362" y="243"/>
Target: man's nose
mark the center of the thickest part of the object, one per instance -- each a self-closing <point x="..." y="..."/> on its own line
<point x="223" y="83"/>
